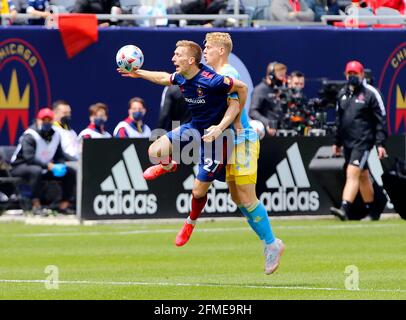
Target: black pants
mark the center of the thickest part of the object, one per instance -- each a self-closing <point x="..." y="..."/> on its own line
<point x="34" y="177"/>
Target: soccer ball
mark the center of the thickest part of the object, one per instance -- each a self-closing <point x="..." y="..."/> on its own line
<point x="259" y="127"/>
<point x="130" y="58"/>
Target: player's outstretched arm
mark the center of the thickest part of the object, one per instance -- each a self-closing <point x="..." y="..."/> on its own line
<point x="158" y="77"/>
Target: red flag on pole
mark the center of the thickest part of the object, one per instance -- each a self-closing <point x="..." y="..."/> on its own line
<point x="78" y="31"/>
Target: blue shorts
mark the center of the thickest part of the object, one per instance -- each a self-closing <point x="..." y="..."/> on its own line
<point x="189" y="148"/>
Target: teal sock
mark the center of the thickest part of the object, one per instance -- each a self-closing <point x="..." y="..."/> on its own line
<point x="259" y="216"/>
<point x="254" y="226"/>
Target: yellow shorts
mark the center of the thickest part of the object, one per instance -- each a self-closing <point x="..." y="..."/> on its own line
<point x="243" y="165"/>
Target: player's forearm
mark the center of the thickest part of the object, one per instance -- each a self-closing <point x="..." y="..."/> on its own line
<point x="242" y="96"/>
<point x="158" y="77"/>
<point x="242" y="91"/>
<point x="230" y="116"/>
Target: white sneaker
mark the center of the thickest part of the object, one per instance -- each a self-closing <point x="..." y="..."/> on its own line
<point x="273" y="253"/>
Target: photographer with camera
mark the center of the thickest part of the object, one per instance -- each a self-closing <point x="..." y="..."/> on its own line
<point x="266" y="102"/>
<point x="298" y="114"/>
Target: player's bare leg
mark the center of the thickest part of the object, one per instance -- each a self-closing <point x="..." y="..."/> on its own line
<point x="367" y="193"/>
<point x="352" y="185"/>
<point x="199" y="199"/>
<point x="365" y="187"/>
<point x="160" y="152"/>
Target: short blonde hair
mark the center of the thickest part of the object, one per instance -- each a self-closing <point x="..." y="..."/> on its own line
<point x="220" y="38"/>
<point x="194" y="49"/>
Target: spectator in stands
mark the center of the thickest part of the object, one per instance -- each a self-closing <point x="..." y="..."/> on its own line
<point x="226" y="9"/>
<point x="99" y="7"/>
<point x="62" y="124"/>
<point x="173" y="108"/>
<point x="133" y="126"/>
<point x="98" y="113"/>
<point x="289" y="10"/>
<point x="8" y="7"/>
<point x="39" y="157"/>
<point x="361" y="124"/>
<point x="323" y="7"/>
<point x="38" y="8"/>
<point x="265" y="103"/>
<point x="196" y="7"/>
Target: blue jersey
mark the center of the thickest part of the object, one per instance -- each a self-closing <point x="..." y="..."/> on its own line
<point x="249" y="133"/>
<point x="206" y="96"/>
<point x="39" y="5"/>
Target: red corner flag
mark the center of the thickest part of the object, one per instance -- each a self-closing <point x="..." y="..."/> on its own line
<point x="78" y="31"/>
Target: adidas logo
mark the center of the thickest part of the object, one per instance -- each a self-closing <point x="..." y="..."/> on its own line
<point x="355" y="162"/>
<point x="216" y="201"/>
<point x="126" y="178"/>
<point x="290" y="174"/>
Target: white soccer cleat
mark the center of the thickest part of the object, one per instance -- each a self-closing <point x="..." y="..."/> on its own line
<point x="273" y="253"/>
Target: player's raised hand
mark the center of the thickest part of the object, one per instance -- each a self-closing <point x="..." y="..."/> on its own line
<point x="128" y="74"/>
<point x="212" y="134"/>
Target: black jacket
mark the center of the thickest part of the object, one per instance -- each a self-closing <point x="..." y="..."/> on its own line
<point x="173" y="108"/>
<point x="27" y="152"/>
<point x="265" y="106"/>
<point x="360" y="118"/>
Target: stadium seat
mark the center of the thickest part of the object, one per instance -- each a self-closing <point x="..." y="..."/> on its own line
<point x="62" y="6"/>
<point x="256" y="8"/>
<point x="357" y="18"/>
<point x="128" y="5"/>
<point x="396" y="22"/>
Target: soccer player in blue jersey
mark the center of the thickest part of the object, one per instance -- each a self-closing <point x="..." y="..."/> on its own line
<point x="206" y="94"/>
<point x="242" y="168"/>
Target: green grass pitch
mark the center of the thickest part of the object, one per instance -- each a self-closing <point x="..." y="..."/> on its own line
<point x="223" y="260"/>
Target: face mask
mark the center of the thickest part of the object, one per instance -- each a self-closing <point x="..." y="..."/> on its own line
<point x="137" y="115"/>
<point x="66" y="120"/>
<point x="297" y="91"/>
<point x="354" y="81"/>
<point x="46" y="127"/>
<point x="98" y="122"/>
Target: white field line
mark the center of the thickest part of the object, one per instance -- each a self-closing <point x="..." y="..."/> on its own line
<point x="169" y="284"/>
<point x="230" y="229"/>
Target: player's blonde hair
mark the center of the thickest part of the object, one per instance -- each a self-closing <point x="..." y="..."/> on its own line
<point x="194" y="49"/>
<point x="221" y="39"/>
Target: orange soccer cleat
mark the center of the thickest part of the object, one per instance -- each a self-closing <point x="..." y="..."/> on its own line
<point x="184" y="234"/>
<point x="157" y="170"/>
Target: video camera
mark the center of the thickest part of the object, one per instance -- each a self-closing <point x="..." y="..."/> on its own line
<point x="305" y="116"/>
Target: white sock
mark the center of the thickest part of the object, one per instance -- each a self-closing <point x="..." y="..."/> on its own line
<point x="190" y="221"/>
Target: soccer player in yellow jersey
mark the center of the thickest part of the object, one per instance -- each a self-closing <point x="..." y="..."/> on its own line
<point x="241" y="172"/>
